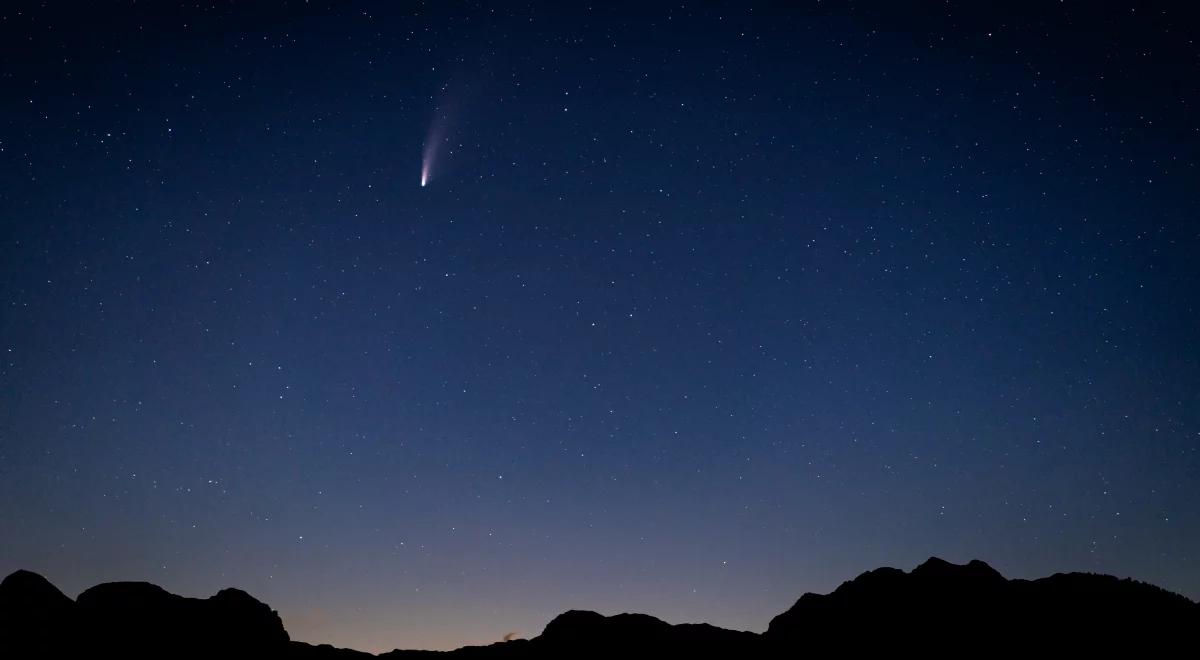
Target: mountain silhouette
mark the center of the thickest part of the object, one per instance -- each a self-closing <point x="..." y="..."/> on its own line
<point x="33" y="614"/>
<point x="138" y="617"/>
<point x="938" y="609"/>
<point x="942" y="608"/>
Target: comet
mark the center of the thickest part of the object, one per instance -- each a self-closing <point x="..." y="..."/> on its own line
<point x="430" y="153"/>
<point x="437" y="150"/>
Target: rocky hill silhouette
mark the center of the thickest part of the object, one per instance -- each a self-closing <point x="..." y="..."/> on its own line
<point x="942" y="609"/>
<point x="938" y="609"/>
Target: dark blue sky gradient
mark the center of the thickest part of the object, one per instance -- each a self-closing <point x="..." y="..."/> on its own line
<point x="704" y="307"/>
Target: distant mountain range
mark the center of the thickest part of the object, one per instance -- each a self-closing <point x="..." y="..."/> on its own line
<point x="938" y="608"/>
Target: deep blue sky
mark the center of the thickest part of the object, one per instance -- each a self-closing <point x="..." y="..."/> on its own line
<point x="703" y="306"/>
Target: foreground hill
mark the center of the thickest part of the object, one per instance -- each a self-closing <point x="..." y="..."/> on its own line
<point x="937" y="608"/>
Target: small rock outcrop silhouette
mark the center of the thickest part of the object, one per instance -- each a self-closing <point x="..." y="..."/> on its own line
<point x="938" y="609"/>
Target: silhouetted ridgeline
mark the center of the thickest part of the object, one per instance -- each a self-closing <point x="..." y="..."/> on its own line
<point x="936" y="609"/>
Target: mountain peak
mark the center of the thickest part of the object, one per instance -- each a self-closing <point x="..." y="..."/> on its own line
<point x="938" y="568"/>
<point x="33" y="612"/>
<point x="29" y="586"/>
<point x="933" y="564"/>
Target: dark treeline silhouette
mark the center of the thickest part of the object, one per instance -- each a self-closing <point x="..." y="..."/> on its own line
<point x="939" y="609"/>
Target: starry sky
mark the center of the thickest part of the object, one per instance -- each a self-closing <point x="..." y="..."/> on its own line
<point x="700" y="306"/>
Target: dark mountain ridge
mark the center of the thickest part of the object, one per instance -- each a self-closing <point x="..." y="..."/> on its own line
<point x="938" y="608"/>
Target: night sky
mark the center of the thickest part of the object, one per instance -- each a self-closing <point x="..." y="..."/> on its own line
<point x="699" y="308"/>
